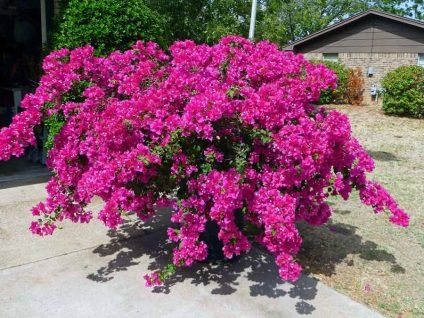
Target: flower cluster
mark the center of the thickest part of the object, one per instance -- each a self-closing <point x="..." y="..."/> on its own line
<point x="206" y="129"/>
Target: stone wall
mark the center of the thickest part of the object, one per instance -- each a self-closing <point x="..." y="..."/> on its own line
<point x="382" y="63"/>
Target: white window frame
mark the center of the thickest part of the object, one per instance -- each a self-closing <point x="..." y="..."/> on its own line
<point x="334" y="57"/>
<point x="420" y="59"/>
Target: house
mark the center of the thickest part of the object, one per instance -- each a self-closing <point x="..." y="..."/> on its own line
<point x="373" y="40"/>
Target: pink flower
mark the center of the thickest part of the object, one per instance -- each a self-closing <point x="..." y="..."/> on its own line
<point x="210" y="130"/>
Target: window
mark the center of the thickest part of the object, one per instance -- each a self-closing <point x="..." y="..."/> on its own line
<point x="421" y="59"/>
<point x="330" y="57"/>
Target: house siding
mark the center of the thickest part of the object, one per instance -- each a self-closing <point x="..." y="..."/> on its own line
<point x="368" y="35"/>
<point x="382" y="63"/>
<point x="370" y="39"/>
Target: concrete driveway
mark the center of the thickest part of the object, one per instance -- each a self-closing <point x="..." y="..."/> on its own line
<point x="90" y="271"/>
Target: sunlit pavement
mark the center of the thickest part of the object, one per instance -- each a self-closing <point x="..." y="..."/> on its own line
<point x="90" y="271"/>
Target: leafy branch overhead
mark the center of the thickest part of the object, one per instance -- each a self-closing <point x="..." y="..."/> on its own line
<point x="279" y="21"/>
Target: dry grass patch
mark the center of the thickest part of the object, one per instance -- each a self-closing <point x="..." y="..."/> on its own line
<point x="361" y="254"/>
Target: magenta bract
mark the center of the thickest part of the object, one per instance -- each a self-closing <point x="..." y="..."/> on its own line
<point x="206" y="129"/>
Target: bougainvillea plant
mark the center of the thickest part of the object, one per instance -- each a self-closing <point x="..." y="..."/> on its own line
<point x="207" y="130"/>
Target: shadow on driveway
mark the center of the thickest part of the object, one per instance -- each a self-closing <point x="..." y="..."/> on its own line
<point x="255" y="270"/>
<point x="133" y="241"/>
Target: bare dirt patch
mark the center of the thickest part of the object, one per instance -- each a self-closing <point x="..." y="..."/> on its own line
<point x="361" y="254"/>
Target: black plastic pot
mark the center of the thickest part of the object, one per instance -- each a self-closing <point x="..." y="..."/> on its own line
<point x="214" y="244"/>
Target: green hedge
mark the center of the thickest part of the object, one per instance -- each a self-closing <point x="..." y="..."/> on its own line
<point x="334" y="95"/>
<point x="404" y="91"/>
<point x="107" y="25"/>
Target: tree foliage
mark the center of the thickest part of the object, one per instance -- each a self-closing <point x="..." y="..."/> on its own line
<point x="203" y="21"/>
<point x="286" y="20"/>
<point x="280" y="21"/>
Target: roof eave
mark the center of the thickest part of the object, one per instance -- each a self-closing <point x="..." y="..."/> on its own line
<point x="291" y="46"/>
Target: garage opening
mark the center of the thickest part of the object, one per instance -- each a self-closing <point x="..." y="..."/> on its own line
<point x="23" y="30"/>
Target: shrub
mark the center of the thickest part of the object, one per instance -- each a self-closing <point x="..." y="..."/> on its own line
<point x="107" y="25"/>
<point x="336" y="95"/>
<point x="354" y="92"/>
<point x="207" y="130"/>
<point x="404" y="91"/>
